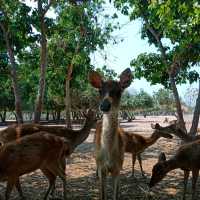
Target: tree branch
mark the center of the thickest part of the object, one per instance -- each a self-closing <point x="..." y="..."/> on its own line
<point x="172" y="71"/>
<point x="47" y="7"/>
<point x="195" y="121"/>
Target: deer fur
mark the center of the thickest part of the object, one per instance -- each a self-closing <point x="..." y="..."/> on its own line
<point x="136" y="144"/>
<point x="38" y="151"/>
<point x="175" y="128"/>
<point x="75" y="137"/>
<point x="186" y="158"/>
<point x="108" y="141"/>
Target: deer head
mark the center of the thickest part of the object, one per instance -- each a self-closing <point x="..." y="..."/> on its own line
<point x="161" y="132"/>
<point x="90" y="116"/>
<point x="174" y="128"/>
<point x="110" y="91"/>
<point x="159" y="170"/>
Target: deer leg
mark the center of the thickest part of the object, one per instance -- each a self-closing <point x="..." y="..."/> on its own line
<point x="61" y="174"/>
<point x="133" y="163"/>
<point x="9" y="187"/>
<point x="19" y="189"/>
<point x="115" y="187"/>
<point x="186" y="175"/>
<point x="140" y="163"/>
<point x="102" y="181"/>
<point x="97" y="173"/>
<point x="195" y="174"/>
<point x="51" y="178"/>
<point x="57" y="170"/>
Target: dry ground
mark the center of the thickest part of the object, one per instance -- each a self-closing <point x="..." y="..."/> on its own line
<point x="83" y="185"/>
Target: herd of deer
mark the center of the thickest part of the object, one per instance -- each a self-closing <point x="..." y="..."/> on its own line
<point x="27" y="147"/>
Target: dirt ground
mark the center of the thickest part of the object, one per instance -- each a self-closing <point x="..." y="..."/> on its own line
<point x="83" y="185"/>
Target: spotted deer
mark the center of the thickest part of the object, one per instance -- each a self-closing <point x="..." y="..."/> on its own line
<point x="109" y="142"/>
<point x="38" y="151"/>
<point x="75" y="137"/>
<point x="186" y="158"/>
<point x="136" y="144"/>
<point x="176" y="129"/>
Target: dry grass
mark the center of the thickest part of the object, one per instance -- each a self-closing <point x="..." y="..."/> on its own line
<point x="83" y="185"/>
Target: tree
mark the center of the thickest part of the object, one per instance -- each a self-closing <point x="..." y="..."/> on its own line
<point x="15" y="27"/>
<point x="42" y="25"/>
<point x="78" y="34"/>
<point x="6" y="93"/>
<point x="164" y="99"/>
<point x="178" y="22"/>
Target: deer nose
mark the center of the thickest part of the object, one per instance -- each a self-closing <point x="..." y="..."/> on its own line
<point x="105" y="105"/>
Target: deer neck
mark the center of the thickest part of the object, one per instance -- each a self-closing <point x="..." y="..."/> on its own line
<point x="171" y="164"/>
<point x="109" y="130"/>
<point x="152" y="139"/>
<point x="182" y="135"/>
<point x="83" y="133"/>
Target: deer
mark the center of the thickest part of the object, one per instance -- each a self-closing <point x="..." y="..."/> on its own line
<point x="186" y="158"/>
<point x="176" y="129"/>
<point x="38" y="151"/>
<point x="136" y="144"/>
<point x="109" y="141"/>
<point x="75" y="137"/>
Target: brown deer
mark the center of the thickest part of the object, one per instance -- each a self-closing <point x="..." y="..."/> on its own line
<point x="38" y="151"/>
<point x="187" y="158"/>
<point x="136" y="144"/>
<point x="176" y="129"/>
<point x="109" y="142"/>
<point x="75" y="137"/>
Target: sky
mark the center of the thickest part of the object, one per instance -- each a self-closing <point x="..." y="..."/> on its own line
<point x="120" y="55"/>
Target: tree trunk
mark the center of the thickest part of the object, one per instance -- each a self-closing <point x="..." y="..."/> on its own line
<point x="43" y="64"/>
<point x="68" y="103"/>
<point x="15" y="86"/>
<point x="178" y="103"/>
<point x="3" y="115"/>
<point x="195" y="120"/>
<point x="47" y="115"/>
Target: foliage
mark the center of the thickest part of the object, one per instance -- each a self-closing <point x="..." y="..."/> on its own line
<point x="73" y="35"/>
<point x="140" y="100"/>
<point x="164" y="99"/>
<point x="176" y="22"/>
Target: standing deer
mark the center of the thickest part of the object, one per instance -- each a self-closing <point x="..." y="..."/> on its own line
<point x="136" y="144"/>
<point x="187" y="158"/>
<point x="39" y="151"/>
<point x="176" y="129"/>
<point x="109" y="143"/>
<point x="75" y="137"/>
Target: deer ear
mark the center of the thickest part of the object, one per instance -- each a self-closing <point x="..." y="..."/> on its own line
<point x="162" y="157"/>
<point x="95" y="79"/>
<point x="126" y="78"/>
<point x="155" y="126"/>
